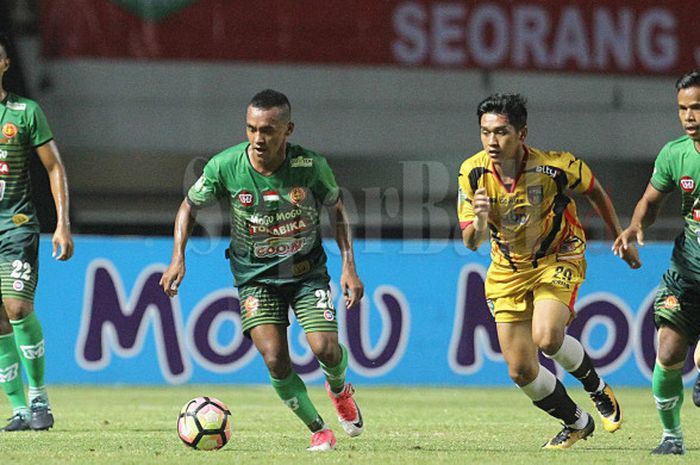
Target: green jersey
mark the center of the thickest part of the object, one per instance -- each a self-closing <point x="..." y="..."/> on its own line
<point x="678" y="166"/>
<point x="275" y="220"/>
<point x="23" y="126"/>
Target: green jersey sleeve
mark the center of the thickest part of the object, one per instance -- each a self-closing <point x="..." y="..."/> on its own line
<point x="325" y="188"/>
<point x="208" y="188"/>
<point x="662" y="177"/>
<point x="39" y="131"/>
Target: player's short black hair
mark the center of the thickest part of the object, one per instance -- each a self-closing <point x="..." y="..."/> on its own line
<point x="514" y="106"/>
<point x="269" y="98"/>
<point x="691" y="79"/>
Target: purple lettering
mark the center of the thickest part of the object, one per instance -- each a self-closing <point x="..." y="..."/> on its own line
<point x="111" y="321"/>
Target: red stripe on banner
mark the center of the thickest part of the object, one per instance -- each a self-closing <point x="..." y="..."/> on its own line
<point x="645" y="37"/>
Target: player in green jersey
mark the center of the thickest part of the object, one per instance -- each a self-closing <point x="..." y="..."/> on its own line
<point x="276" y="191"/>
<point x="677" y="304"/>
<point x="23" y="127"/>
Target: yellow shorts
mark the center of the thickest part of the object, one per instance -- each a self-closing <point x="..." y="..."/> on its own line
<point x="511" y="295"/>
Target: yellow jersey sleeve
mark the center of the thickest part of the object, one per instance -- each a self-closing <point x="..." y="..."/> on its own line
<point x="579" y="176"/>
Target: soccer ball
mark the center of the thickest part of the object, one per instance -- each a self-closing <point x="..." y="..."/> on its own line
<point x="204" y="423"/>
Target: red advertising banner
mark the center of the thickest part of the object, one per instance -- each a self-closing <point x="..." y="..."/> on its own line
<point x="614" y="36"/>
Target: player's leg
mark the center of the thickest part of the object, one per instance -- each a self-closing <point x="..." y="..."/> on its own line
<point x="696" y="386"/>
<point x="539" y="384"/>
<point x="554" y="298"/>
<point x="667" y="388"/>
<point x="264" y="314"/>
<point x="313" y="307"/>
<point x="11" y="377"/>
<point x="18" y="299"/>
<point x="677" y="317"/>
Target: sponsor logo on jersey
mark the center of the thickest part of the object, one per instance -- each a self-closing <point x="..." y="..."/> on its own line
<point x="548" y="170"/>
<point x="687" y="183"/>
<point x="671" y="302"/>
<point x="535" y="194"/>
<point x="696" y="215"/>
<point x="328" y="315"/>
<point x="19" y="219"/>
<point x="282" y="229"/>
<point x="33" y="352"/>
<point x="4" y="168"/>
<point x="271" y="196"/>
<point x="297" y="195"/>
<point x="301" y="162"/>
<point x="246" y="198"/>
<point x="9" y="130"/>
<point x="16" y="106"/>
<point x="251" y="305"/>
<point x="276" y="247"/>
<point x="18" y="285"/>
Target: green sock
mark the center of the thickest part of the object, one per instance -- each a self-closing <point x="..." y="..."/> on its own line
<point x="667" y="387"/>
<point x="336" y="375"/>
<point x="11" y="373"/>
<point x="30" y="344"/>
<point x="292" y="391"/>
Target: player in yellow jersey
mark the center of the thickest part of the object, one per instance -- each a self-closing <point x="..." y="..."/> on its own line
<point x="518" y="196"/>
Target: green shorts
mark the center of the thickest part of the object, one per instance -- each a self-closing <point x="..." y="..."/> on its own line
<point x="19" y="265"/>
<point x="677" y="304"/>
<point x="269" y="304"/>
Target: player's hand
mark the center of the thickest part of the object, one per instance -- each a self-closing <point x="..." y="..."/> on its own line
<point x="482" y="206"/>
<point x="631" y="256"/>
<point x="172" y="278"/>
<point x="352" y="288"/>
<point x="623" y="241"/>
<point x="62" y="241"/>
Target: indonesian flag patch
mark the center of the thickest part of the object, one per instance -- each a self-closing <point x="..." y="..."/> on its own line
<point x="271" y="196"/>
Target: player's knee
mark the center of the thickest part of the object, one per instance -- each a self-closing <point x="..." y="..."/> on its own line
<point x="277" y="364"/>
<point x="18" y="309"/>
<point x="327" y="351"/>
<point x="521" y="375"/>
<point x="670" y="357"/>
<point x="549" y="342"/>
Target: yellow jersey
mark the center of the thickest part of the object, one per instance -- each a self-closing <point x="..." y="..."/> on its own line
<point x="534" y="217"/>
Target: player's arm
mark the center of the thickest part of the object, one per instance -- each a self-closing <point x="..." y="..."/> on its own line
<point x="603" y="206"/>
<point x="477" y="232"/>
<point x="51" y="159"/>
<point x="184" y="222"/>
<point x="644" y="216"/>
<point x="350" y="283"/>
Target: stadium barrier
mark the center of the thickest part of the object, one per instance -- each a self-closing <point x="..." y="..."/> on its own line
<point x="423" y="319"/>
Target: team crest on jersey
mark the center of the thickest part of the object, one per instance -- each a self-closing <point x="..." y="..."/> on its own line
<point x="535" y="194"/>
<point x="687" y="183"/>
<point x="19" y="219"/>
<point x="246" y="198"/>
<point x="4" y="168"/>
<point x="251" y="305"/>
<point x="297" y="195"/>
<point x="671" y="302"/>
<point x="9" y="130"/>
<point x="328" y="315"/>
<point x="18" y="285"/>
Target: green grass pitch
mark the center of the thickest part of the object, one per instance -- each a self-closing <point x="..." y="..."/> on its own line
<point x="404" y="426"/>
